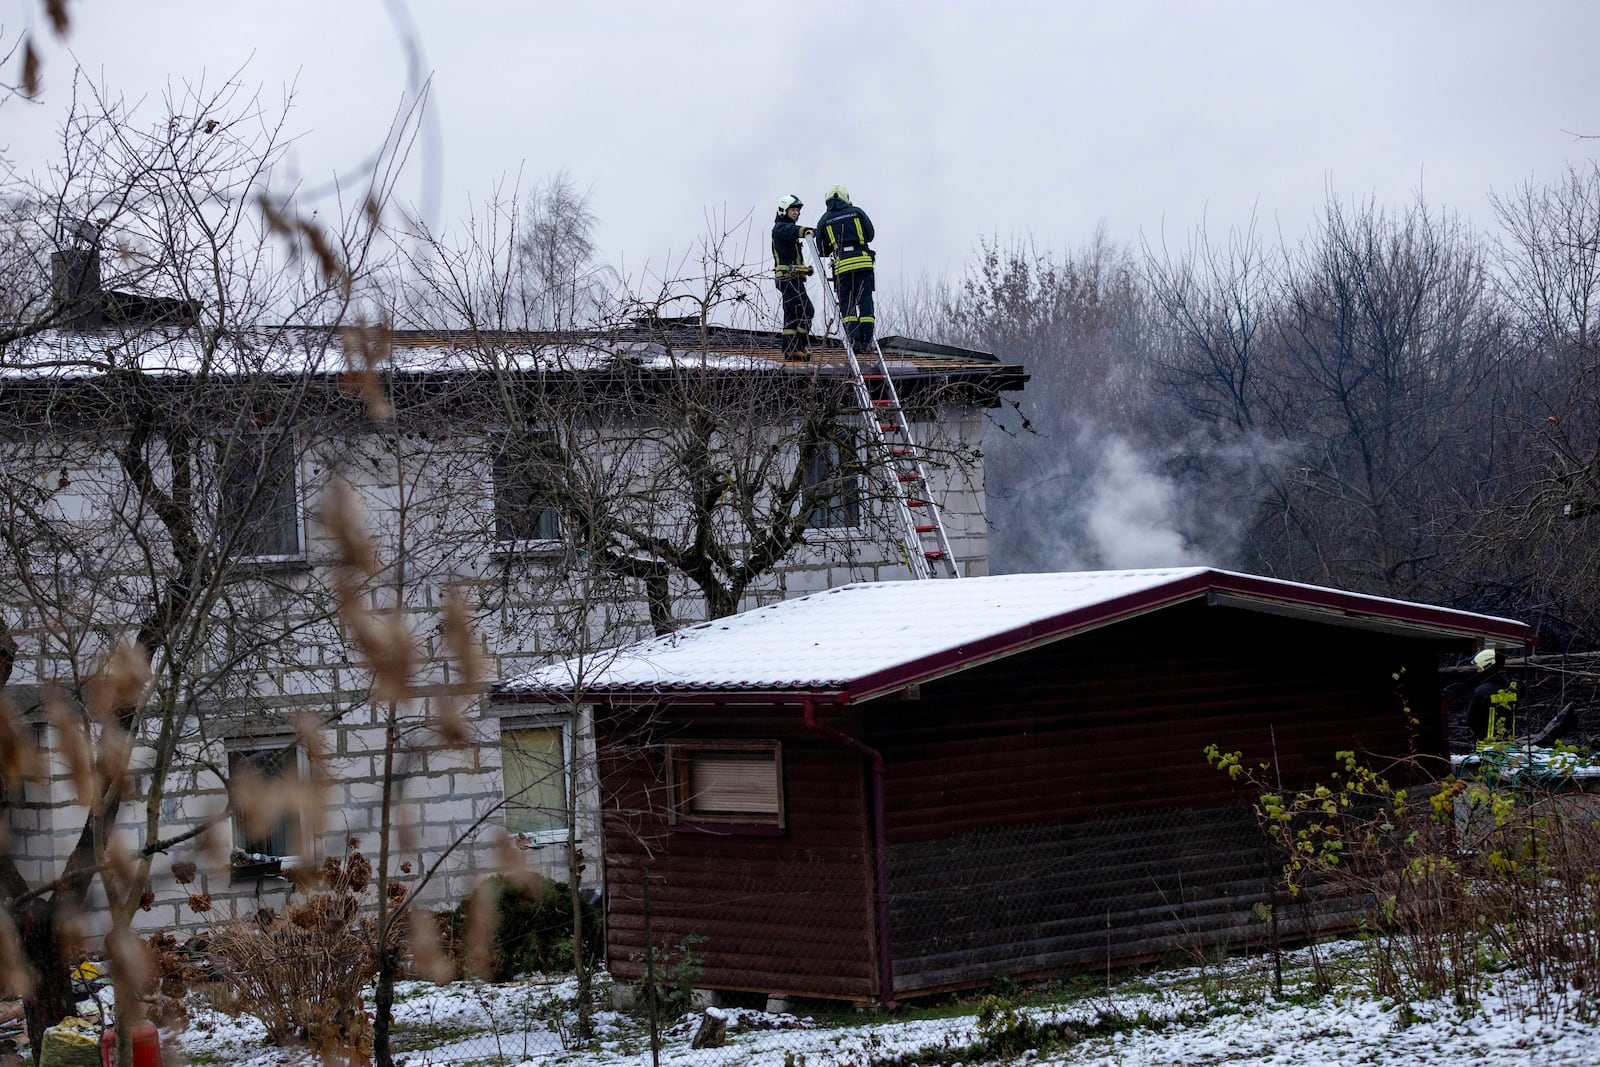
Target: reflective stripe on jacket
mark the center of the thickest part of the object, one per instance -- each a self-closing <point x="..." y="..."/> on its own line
<point x="843" y="233"/>
<point x="788" y="259"/>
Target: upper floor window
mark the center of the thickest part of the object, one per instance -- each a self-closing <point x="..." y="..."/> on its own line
<point x="833" y="482"/>
<point x="524" y="503"/>
<point x="258" y="505"/>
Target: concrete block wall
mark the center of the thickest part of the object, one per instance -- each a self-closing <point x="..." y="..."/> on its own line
<point x="447" y="798"/>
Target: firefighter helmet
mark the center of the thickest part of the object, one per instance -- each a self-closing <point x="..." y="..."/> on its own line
<point x="839" y="192"/>
<point x="788" y="202"/>
<point x="1485" y="659"/>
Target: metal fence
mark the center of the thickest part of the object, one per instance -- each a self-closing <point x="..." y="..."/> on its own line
<point x="969" y="916"/>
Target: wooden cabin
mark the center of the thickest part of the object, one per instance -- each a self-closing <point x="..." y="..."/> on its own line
<point x="892" y="789"/>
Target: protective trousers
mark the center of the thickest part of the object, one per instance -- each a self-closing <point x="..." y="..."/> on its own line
<point x="855" y="305"/>
<point x="797" y="314"/>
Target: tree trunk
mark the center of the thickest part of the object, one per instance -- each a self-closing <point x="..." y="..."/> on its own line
<point x="580" y="967"/>
<point x="383" y="1006"/>
<point x="38" y="928"/>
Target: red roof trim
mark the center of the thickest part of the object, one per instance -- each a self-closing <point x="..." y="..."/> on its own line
<point x="681" y="695"/>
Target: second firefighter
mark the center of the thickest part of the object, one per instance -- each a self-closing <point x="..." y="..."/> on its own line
<point x="790" y="271"/>
<point x="843" y="233"/>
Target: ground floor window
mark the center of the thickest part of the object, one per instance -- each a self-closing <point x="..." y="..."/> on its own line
<point x="253" y="771"/>
<point x="535" y="762"/>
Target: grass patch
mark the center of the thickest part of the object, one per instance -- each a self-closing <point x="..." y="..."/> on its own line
<point x="420" y="1036"/>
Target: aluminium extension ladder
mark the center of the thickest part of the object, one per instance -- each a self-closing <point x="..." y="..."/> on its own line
<point x="923" y="542"/>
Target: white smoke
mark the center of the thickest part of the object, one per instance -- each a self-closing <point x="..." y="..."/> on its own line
<point x="1131" y="514"/>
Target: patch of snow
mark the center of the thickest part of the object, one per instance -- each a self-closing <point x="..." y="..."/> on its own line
<point x="1191" y="1017"/>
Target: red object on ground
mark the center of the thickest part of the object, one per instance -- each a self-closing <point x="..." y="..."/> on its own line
<point x="146" y="1046"/>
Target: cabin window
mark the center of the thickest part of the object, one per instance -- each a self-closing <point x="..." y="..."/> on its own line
<point x="727" y="783"/>
<point x="833" y="482"/>
<point x="525" y="470"/>
<point x="534" y="766"/>
<point x="258" y="498"/>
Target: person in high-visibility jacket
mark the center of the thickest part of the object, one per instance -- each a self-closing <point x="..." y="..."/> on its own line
<point x="843" y="233"/>
<point x="790" y="271"/>
<point x="1492" y="711"/>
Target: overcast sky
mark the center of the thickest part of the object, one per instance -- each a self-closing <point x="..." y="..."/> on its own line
<point x="946" y="120"/>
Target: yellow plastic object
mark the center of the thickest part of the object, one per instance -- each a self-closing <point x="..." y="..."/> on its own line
<point x="89" y="971"/>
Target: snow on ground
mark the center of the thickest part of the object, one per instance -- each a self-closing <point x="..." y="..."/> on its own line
<point x="1192" y="1017"/>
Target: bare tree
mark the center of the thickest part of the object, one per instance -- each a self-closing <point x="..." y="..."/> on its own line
<point x="1549" y="275"/>
<point x="170" y="428"/>
<point x="1392" y="345"/>
<point x="560" y="282"/>
<point x="672" y="450"/>
<point x="1079" y="322"/>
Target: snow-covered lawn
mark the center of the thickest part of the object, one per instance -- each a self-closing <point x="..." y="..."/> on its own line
<point x="1192" y="1016"/>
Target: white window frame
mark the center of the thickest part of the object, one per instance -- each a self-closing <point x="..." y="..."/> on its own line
<point x="569" y="816"/>
<point x="680" y="807"/>
<point x="503" y="439"/>
<point x="223" y="445"/>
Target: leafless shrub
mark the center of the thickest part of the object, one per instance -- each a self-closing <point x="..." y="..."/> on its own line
<point x="302" y="974"/>
<point x="168" y="981"/>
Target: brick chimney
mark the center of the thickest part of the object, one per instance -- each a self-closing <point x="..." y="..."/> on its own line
<point x="75" y="284"/>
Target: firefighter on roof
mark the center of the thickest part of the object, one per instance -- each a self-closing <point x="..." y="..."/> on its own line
<point x="790" y="271"/>
<point x="843" y="233"/>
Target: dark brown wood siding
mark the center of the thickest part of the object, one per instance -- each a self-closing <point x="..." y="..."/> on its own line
<point x="1056" y="807"/>
<point x="786" y="912"/>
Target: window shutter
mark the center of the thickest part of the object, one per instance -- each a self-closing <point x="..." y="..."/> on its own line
<point x="728" y="783"/>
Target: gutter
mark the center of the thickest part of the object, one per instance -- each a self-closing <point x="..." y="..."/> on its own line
<point x="880" y="846"/>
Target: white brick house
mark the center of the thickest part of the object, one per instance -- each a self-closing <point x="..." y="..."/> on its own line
<point x="157" y="483"/>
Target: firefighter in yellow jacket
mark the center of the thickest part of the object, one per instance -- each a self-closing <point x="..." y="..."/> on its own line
<point x="843" y="233"/>
<point x="1492" y="711"/>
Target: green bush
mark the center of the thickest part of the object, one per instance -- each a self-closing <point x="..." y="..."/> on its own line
<point x="534" y="932"/>
<point x="677" y="973"/>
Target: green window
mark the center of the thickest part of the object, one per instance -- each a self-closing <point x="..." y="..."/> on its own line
<point x="534" y="762"/>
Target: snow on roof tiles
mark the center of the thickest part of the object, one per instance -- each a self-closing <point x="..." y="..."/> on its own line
<point x="865" y="638"/>
<point x="71" y="354"/>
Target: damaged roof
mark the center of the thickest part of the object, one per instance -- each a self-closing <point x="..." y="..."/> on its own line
<point x="298" y="350"/>
<point x="864" y="640"/>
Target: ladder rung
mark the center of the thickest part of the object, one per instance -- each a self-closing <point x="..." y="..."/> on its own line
<point x="937" y="553"/>
<point x="914" y="502"/>
<point x="931" y="527"/>
<point x="889" y="427"/>
<point x="899" y="452"/>
<point x="910" y="477"/>
<point x="883" y="403"/>
<point x="873" y="377"/>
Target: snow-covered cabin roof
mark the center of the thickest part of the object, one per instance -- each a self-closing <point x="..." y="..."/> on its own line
<point x="860" y="641"/>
